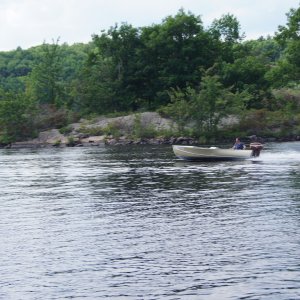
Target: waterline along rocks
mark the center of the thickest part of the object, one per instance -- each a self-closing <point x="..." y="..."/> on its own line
<point x="141" y="128"/>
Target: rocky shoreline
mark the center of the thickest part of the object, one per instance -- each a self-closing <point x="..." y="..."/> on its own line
<point x="97" y="133"/>
<point x="102" y="141"/>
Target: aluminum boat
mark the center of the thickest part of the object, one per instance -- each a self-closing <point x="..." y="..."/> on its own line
<point x="215" y="153"/>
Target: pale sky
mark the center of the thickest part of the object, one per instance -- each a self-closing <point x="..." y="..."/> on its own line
<point x="28" y="23"/>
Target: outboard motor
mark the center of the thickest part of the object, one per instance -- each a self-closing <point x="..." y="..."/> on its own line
<point x="256" y="148"/>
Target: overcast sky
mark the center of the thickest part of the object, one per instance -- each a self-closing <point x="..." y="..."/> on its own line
<point x="28" y="23"/>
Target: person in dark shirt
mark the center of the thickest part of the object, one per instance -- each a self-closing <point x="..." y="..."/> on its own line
<point x="238" y="145"/>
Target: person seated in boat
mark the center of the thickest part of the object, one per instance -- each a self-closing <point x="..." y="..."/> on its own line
<point x="238" y="145"/>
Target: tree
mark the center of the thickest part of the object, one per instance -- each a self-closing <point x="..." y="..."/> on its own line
<point x="289" y="37"/>
<point x="119" y="47"/>
<point x="267" y="50"/>
<point x="179" y="109"/>
<point x="147" y="62"/>
<point x="204" y="107"/>
<point x="210" y="104"/>
<point x="175" y="54"/>
<point x="226" y="33"/>
<point x="16" y="116"/>
<point x="291" y="31"/>
<point x="44" y="83"/>
<point x="227" y="28"/>
<point x="96" y="88"/>
<point x="247" y="74"/>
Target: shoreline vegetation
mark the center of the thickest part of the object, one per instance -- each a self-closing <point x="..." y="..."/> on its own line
<point x="173" y="82"/>
<point x="148" y="128"/>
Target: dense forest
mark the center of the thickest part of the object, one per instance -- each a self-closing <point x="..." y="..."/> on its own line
<point x="195" y="75"/>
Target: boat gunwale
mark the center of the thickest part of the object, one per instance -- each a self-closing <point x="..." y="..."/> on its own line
<point x="208" y="156"/>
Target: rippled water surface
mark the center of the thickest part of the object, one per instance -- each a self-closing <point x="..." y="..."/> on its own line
<point x="136" y="223"/>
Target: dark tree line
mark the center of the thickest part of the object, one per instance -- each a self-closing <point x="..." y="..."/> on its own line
<point x="178" y="67"/>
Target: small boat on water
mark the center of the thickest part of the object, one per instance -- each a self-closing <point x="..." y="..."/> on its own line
<point x="215" y="153"/>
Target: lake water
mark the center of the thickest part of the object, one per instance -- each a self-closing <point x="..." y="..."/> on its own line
<point x="136" y="223"/>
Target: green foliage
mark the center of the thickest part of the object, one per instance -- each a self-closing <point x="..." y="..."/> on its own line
<point x="116" y="55"/>
<point x="144" y="63"/>
<point x="113" y="129"/>
<point x="288" y="37"/>
<point x="202" y="109"/>
<point x="267" y="123"/>
<point x="14" y="66"/>
<point x="177" y="52"/>
<point x="16" y="117"/>
<point x="92" y="130"/>
<point x="66" y="129"/>
<point x="227" y="28"/>
<point x="172" y="132"/>
<point x="211" y="104"/>
<point x="44" y="81"/>
<point x="57" y="143"/>
<point x="71" y="141"/>
<point x="96" y="89"/>
<point x="48" y="116"/>
<point x="193" y="74"/>
<point x="179" y="109"/>
<point x="267" y="50"/>
<point x="291" y="30"/>
<point x="253" y="121"/>
<point x="140" y="131"/>
<point x="287" y="100"/>
<point x="281" y="74"/>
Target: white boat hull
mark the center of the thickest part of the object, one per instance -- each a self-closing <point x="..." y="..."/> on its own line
<point x="213" y="153"/>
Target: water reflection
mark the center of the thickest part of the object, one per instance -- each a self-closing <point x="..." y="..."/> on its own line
<point x="136" y="223"/>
